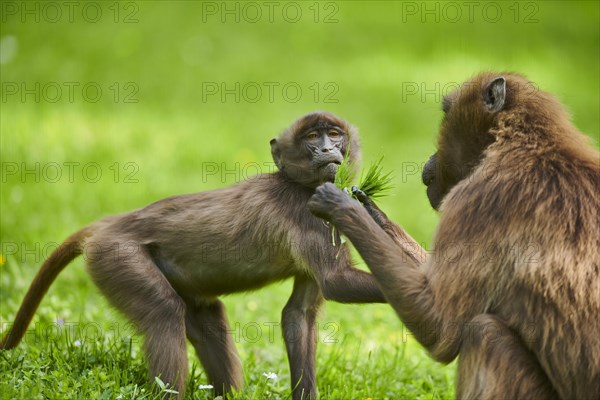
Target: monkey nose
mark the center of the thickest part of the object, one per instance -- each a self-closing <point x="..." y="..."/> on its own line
<point x="427" y="178"/>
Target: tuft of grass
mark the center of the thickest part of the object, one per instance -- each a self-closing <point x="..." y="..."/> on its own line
<point x="344" y="174"/>
<point x="375" y="183"/>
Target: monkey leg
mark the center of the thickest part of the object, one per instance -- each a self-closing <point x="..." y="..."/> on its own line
<point x="495" y="364"/>
<point x="299" y="332"/>
<point x="130" y="280"/>
<point x="209" y="332"/>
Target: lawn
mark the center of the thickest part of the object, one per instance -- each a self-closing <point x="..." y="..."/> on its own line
<point x="106" y="107"/>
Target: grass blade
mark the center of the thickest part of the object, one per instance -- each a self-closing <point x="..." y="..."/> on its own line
<point x="375" y="183"/>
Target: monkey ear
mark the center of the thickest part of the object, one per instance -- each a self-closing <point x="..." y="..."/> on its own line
<point x="495" y="94"/>
<point x="276" y="153"/>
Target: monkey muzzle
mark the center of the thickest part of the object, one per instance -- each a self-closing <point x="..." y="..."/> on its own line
<point x="330" y="168"/>
<point x="428" y="175"/>
<point x="329" y="160"/>
<point x="327" y="168"/>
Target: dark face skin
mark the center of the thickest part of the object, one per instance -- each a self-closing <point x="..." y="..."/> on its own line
<point x="325" y="143"/>
<point x="312" y="153"/>
<point x="455" y="160"/>
<point x="434" y="194"/>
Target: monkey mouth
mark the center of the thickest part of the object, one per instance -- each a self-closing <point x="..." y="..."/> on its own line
<point x="328" y="170"/>
<point x="331" y="163"/>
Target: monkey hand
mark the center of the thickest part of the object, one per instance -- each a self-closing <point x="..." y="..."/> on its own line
<point x="327" y="199"/>
<point x="360" y="195"/>
<point x="374" y="211"/>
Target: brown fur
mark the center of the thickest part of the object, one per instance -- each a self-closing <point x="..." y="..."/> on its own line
<point x="512" y="285"/>
<point x="165" y="265"/>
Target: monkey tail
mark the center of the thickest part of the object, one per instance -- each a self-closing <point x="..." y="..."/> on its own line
<point x="58" y="260"/>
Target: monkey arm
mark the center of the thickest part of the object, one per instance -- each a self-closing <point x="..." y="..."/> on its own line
<point x="409" y="246"/>
<point x="338" y="280"/>
<point x="405" y="284"/>
<point x="350" y="285"/>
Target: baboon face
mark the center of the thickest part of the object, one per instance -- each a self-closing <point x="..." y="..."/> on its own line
<point x="469" y="114"/>
<point x="431" y="180"/>
<point x="312" y="149"/>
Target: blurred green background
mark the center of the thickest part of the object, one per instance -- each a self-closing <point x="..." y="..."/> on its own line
<point x="107" y="106"/>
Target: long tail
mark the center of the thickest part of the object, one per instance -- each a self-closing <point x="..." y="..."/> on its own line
<point x="58" y="260"/>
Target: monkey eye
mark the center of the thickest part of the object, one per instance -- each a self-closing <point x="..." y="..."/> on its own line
<point x="312" y="135"/>
<point x="334" y="133"/>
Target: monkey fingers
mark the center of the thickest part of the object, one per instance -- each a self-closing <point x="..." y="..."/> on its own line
<point x="360" y="195"/>
<point x="327" y="199"/>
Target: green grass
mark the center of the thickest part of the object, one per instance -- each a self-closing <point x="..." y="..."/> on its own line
<point x="373" y="181"/>
<point x="369" y="63"/>
<point x="376" y="183"/>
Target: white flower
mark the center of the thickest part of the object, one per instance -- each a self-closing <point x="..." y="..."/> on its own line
<point x="205" y="386"/>
<point x="270" y="375"/>
<point x="77" y="343"/>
